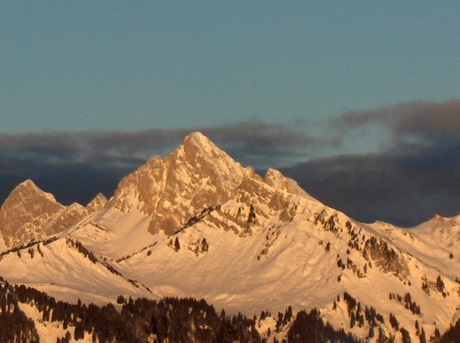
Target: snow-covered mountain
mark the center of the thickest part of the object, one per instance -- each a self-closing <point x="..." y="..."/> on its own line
<point x="31" y="214"/>
<point x="198" y="224"/>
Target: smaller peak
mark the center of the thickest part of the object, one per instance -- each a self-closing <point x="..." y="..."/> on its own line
<point x="438" y="217"/>
<point x="97" y="202"/>
<point x="276" y="179"/>
<point x="100" y="197"/>
<point x="27" y="183"/>
<point x="273" y="174"/>
<point x="382" y="224"/>
<point x="28" y="188"/>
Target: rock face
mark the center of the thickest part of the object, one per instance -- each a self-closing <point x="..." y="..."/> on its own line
<point x="31" y="214"/>
<point x="25" y="212"/>
<point x="98" y="202"/>
<point x="170" y="191"/>
<point x="195" y="176"/>
<point x="275" y="179"/>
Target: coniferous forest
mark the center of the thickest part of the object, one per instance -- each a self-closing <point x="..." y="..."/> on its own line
<point x="166" y="320"/>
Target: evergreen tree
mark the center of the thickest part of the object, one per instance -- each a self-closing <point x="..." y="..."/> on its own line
<point x="440" y="284"/>
<point x="405" y="336"/>
<point x="394" y="322"/>
<point x="79" y="332"/>
<point x="352" y="320"/>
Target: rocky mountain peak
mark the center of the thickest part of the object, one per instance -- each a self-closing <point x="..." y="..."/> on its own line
<point x="27" y="198"/>
<point x="28" y="190"/>
<point x="276" y="179"/>
<point x="196" y="144"/>
<point x="204" y="156"/>
<point x="198" y="139"/>
<point x="98" y="202"/>
<point x="195" y="176"/>
<point x="25" y="205"/>
<point x="239" y="240"/>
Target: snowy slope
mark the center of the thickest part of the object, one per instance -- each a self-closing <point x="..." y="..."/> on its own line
<point x="289" y="254"/>
<point x="114" y="234"/>
<point x="62" y="270"/>
<point x="435" y="242"/>
<point x="198" y="224"/>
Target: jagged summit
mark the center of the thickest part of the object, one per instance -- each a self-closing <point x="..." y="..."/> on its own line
<point x="97" y="202"/>
<point x="27" y="183"/>
<point x="198" y="149"/>
<point x="277" y="180"/>
<point x="30" y="213"/>
<point x="26" y="207"/>
<point x="196" y="142"/>
<point x="198" y="139"/>
<point x="28" y="188"/>
<point x="196" y="176"/>
<point x="29" y="199"/>
<point x="193" y="177"/>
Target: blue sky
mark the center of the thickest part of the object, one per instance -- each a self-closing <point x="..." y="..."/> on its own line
<point x="303" y="69"/>
<point x="111" y="65"/>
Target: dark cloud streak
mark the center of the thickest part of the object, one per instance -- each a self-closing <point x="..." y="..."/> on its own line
<point x="76" y="166"/>
<point x="398" y="188"/>
<point x="427" y="122"/>
<point x="412" y="178"/>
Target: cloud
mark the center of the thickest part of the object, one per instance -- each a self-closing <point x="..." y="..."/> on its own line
<point x="404" y="189"/>
<point x="75" y="166"/>
<point x="408" y="180"/>
<point x="263" y="145"/>
<point x="418" y="123"/>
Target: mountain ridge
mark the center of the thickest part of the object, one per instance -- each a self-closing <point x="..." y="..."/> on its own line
<point x="198" y="224"/>
<point x="30" y="213"/>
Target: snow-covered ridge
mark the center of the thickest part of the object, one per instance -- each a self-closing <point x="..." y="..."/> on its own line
<point x="198" y="224"/>
<point x="32" y="214"/>
<point x="196" y="176"/>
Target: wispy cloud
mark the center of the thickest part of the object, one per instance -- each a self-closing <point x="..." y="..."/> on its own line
<point x="411" y="178"/>
<point x="244" y="139"/>
<point x="76" y="165"/>
<point x="412" y="123"/>
<point x="263" y="145"/>
<point x="404" y="189"/>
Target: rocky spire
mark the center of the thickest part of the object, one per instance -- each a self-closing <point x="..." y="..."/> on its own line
<point x="195" y="176"/>
<point x="275" y="179"/>
<point x="96" y="203"/>
<point x="26" y="206"/>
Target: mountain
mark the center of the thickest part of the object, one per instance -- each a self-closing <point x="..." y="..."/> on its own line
<point x="31" y="214"/>
<point x="27" y="213"/>
<point x="195" y="176"/>
<point x="198" y="224"/>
